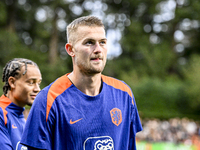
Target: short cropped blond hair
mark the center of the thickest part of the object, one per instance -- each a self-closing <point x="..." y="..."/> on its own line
<point x="90" y="21"/>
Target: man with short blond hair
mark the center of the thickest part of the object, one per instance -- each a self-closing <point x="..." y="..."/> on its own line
<point x="83" y="109"/>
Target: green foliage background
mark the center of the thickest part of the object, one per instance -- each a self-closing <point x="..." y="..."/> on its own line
<point x="165" y="82"/>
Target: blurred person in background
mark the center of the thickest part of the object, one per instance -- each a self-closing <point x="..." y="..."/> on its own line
<point x="84" y="109"/>
<point x="22" y="79"/>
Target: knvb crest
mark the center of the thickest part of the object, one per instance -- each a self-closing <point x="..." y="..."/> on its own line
<point x="116" y="116"/>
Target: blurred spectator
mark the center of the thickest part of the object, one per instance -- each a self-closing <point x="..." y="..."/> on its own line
<point x="174" y="130"/>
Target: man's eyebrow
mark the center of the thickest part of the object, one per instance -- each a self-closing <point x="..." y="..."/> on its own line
<point x="35" y="79"/>
<point x="94" y="40"/>
<point x="88" y="39"/>
<point x="105" y="39"/>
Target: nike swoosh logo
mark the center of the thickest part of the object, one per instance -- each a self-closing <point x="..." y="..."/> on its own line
<point x="14" y="127"/>
<point x="73" y="122"/>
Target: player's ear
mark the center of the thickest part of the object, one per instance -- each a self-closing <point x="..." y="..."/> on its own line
<point x="69" y="49"/>
<point x="11" y="81"/>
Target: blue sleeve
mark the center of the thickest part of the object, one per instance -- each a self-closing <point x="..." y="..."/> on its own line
<point x="5" y="141"/>
<point x="136" y="124"/>
<point x="35" y="134"/>
<point x="132" y="144"/>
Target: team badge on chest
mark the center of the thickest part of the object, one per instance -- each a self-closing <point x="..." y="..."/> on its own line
<point x="116" y="116"/>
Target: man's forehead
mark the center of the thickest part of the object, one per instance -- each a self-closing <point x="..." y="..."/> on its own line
<point x="90" y="32"/>
<point x="29" y="68"/>
<point x="23" y="67"/>
<point x="90" y="29"/>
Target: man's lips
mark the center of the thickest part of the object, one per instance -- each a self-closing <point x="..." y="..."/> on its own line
<point x="33" y="96"/>
<point x="96" y="59"/>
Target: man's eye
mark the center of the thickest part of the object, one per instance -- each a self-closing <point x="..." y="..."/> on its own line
<point x="89" y="42"/>
<point x="103" y="42"/>
<point x="39" y="82"/>
<point x="31" y="82"/>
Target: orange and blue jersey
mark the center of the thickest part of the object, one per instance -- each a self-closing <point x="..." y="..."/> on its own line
<point x="12" y="124"/>
<point x="64" y="118"/>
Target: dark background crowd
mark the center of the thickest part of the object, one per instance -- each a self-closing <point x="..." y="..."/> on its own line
<point x="175" y="130"/>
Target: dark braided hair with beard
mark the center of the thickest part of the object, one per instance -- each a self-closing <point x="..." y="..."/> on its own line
<point x="12" y="69"/>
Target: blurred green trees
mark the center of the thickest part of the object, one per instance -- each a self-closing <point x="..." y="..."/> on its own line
<point x="160" y="58"/>
<point x="159" y="42"/>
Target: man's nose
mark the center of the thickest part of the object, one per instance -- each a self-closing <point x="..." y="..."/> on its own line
<point x="97" y="48"/>
<point x="37" y="87"/>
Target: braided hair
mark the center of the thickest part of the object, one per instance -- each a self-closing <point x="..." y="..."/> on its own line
<point x="12" y="69"/>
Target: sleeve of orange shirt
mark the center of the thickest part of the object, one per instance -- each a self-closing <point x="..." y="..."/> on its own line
<point x="5" y="140"/>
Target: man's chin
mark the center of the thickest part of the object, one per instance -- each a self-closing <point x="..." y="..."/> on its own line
<point x="95" y="70"/>
<point x="30" y="103"/>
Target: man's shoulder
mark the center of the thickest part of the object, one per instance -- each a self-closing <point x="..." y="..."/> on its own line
<point x="116" y="83"/>
<point x="59" y="85"/>
<point x="113" y="81"/>
<point x="4" y="103"/>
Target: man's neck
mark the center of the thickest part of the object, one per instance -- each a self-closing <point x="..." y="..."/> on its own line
<point x="89" y="85"/>
<point x="12" y="98"/>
